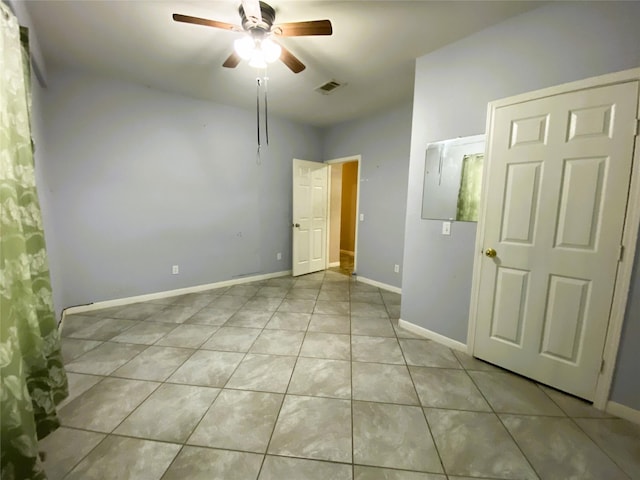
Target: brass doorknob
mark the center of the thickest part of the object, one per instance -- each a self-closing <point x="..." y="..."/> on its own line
<point x="490" y="252"/>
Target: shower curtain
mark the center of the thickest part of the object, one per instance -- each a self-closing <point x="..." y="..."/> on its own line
<point x="32" y="377"/>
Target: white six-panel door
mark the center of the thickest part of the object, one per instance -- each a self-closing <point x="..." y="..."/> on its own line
<point x="309" y="216"/>
<point x="555" y="207"/>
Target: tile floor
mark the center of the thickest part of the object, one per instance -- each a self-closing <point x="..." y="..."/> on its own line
<point x="308" y="378"/>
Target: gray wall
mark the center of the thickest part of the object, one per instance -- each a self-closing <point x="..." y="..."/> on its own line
<point x="383" y="142"/>
<point x="626" y="386"/>
<point x="554" y="44"/>
<point x="139" y="180"/>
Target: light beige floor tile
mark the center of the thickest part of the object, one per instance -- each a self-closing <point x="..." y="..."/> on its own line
<point x="477" y="445"/>
<point x="332" y="307"/>
<point x="175" y="314"/>
<point x="196" y="299"/>
<point x="105" y="405"/>
<point x="64" y="448"/>
<point x="296" y="305"/>
<point x="391" y="298"/>
<point x="426" y="353"/>
<point x="95" y="328"/>
<point x="72" y="348"/>
<point x="242" y="290"/>
<point x="232" y="339"/>
<point x="359" y="309"/>
<point x="265" y="373"/>
<point x="330" y="324"/>
<point x="229" y="302"/>
<point x="187" y="336"/>
<point x="510" y="393"/>
<point x="313" y="428"/>
<point x="321" y="378"/>
<point x="366" y="297"/>
<point x="303" y="293"/>
<point x="289" y="321"/>
<point x="249" y="319"/>
<point x="78" y="384"/>
<point x="326" y="345"/>
<point x="375" y="473"/>
<point x="281" y="468"/>
<point x="138" y="311"/>
<point x="267" y="304"/>
<point x="105" y="358"/>
<point x="170" y="413"/>
<point x="238" y="420"/>
<point x="212" y="316"/>
<point x="557" y="448"/>
<point x="155" y="363"/>
<point x="372" y="326"/>
<point x="379" y="382"/>
<point x="145" y="333"/>
<point x="335" y="294"/>
<point x="272" y="292"/>
<point x="572" y="406"/>
<point x="619" y="438"/>
<point x="471" y="363"/>
<point x="207" y="368"/>
<point x="120" y="457"/>
<point x="195" y="463"/>
<point x="376" y="349"/>
<point x="393" y="436"/>
<point x="447" y="388"/>
<point x="278" y="342"/>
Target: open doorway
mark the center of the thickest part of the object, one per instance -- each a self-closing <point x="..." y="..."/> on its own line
<point x="343" y="214"/>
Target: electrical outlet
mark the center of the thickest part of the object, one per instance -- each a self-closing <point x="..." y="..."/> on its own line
<point x="175" y="270"/>
<point x="396" y="268"/>
<point x="446" y="228"/>
<point x="278" y="256"/>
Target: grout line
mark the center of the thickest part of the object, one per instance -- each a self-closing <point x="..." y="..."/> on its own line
<point x="433" y="440"/>
<point x="497" y="415"/>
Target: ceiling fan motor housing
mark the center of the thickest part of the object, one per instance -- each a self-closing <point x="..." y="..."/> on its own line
<point x="268" y="18"/>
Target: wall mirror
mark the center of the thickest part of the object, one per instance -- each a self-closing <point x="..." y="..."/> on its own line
<point x="453" y="179"/>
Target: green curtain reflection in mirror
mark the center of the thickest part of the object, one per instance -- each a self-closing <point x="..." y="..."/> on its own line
<point x="470" y="187"/>
<point x="32" y="376"/>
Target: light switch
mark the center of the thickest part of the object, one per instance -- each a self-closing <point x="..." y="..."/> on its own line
<point x="446" y="228"/>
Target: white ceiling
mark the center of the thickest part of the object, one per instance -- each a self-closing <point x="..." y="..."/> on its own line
<point x="372" y="49"/>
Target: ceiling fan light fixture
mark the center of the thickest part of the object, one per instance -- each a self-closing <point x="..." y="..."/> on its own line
<point x="271" y="50"/>
<point x="257" y="59"/>
<point x="245" y="47"/>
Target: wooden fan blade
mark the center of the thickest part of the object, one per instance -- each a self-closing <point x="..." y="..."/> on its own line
<point x="252" y="9"/>
<point x="232" y="61"/>
<point x="300" y="29"/>
<point x="291" y="61"/>
<point x="207" y="23"/>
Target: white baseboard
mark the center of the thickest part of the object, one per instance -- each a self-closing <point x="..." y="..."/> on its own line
<point x="623" y="411"/>
<point x="334" y="264"/>
<point x="169" y="293"/>
<point x="375" y="283"/>
<point x="436" y="337"/>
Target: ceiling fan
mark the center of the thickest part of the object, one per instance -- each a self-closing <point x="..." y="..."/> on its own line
<point x="257" y="20"/>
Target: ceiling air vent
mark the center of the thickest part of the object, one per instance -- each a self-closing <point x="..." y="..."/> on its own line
<point x="329" y="87"/>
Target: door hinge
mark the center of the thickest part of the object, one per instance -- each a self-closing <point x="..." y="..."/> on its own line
<point x="602" y="366"/>
<point x="621" y="253"/>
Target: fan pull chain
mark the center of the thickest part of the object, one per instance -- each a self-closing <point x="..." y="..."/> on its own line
<point x="258" y="117"/>
<point x="266" y="113"/>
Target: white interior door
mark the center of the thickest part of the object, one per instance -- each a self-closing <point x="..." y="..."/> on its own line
<point x="555" y="199"/>
<point x="309" y="216"/>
